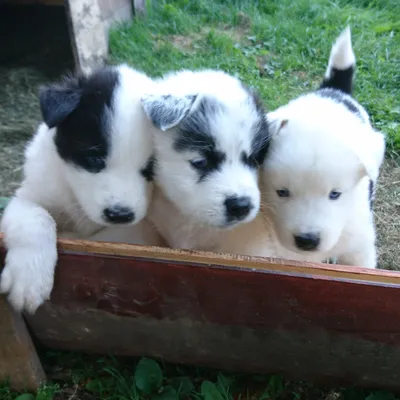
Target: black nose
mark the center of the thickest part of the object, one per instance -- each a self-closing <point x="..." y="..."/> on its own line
<point x="307" y="241"/>
<point x="118" y="215"/>
<point x="237" y="208"/>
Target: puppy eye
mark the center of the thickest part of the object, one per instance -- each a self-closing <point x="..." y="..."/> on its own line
<point x="199" y="163"/>
<point x="283" y="192"/>
<point x="334" y="195"/>
<point x="95" y="163"/>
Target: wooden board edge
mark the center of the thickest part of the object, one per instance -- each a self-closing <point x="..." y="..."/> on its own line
<point x="19" y="362"/>
<point x="328" y="271"/>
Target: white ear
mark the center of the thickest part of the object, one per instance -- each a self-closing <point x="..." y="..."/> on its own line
<point x="167" y="111"/>
<point x="276" y="121"/>
<point x="371" y="152"/>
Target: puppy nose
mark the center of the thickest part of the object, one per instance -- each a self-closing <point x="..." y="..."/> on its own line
<point x="118" y="215"/>
<point x="238" y="207"/>
<point x="307" y="241"/>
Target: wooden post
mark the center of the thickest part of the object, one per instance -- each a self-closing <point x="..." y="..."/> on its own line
<point x="88" y="36"/>
<point x="19" y="362"/>
<point x="89" y="22"/>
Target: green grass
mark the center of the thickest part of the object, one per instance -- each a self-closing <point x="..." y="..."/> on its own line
<point x="280" y="47"/>
<point x="80" y="377"/>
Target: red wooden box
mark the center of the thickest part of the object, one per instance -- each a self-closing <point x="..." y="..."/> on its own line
<point x="324" y="323"/>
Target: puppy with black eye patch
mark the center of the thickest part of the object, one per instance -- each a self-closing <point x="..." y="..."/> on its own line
<point x="210" y="135"/>
<point x="87" y="174"/>
<point x="318" y="179"/>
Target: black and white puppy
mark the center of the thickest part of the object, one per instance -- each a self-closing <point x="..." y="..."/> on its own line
<point x="88" y="167"/>
<point x="210" y="135"/>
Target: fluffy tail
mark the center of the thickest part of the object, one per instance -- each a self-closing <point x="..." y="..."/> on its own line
<point x="341" y="67"/>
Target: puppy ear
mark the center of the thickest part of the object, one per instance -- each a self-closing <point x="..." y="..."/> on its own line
<point x="58" y="101"/>
<point x="167" y="111"/>
<point x="370" y="149"/>
<point x="275" y="123"/>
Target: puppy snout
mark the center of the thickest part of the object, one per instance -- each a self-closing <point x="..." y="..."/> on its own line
<point x="307" y="241"/>
<point x="238" y="208"/>
<point x="118" y="215"/>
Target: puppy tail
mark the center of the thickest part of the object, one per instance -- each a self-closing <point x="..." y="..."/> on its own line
<point x="341" y="67"/>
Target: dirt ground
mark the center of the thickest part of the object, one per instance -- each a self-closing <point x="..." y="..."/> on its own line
<point x="46" y="54"/>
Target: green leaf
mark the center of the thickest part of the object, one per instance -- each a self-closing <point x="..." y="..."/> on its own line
<point x="183" y="386"/>
<point x="224" y="384"/>
<point x="210" y="391"/>
<point x="168" y="393"/>
<point x="94" y="386"/>
<point x="381" y="396"/>
<point x="25" y="396"/>
<point x="353" y="394"/>
<point x="275" y="388"/>
<point x="148" y="376"/>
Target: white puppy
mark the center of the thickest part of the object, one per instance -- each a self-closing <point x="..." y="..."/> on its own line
<point x="319" y="176"/>
<point x="210" y="135"/>
<point x="88" y="166"/>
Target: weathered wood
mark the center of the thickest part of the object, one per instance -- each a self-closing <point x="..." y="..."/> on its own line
<point x="19" y="363"/>
<point x="87" y="33"/>
<point x="89" y="23"/>
<point x="322" y="323"/>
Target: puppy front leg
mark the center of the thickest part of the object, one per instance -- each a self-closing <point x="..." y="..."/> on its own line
<point x="30" y="237"/>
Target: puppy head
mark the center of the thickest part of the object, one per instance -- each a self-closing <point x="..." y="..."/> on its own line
<point x="314" y="175"/>
<point x="210" y="135"/>
<point x="103" y="139"/>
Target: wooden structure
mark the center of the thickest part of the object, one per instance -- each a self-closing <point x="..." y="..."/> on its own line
<point x="326" y="323"/>
<point x="89" y="22"/>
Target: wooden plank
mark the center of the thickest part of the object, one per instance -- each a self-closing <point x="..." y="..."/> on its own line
<point x="88" y="35"/>
<point x="328" y="324"/>
<point x="19" y="363"/>
<point x="89" y="23"/>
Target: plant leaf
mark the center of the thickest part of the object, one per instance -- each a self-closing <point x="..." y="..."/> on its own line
<point x="168" y="393"/>
<point x="381" y="396"/>
<point x="148" y="376"/>
<point x="183" y="386"/>
<point x="25" y="396"/>
<point x="210" y="391"/>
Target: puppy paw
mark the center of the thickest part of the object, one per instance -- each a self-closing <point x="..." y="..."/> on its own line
<point x="28" y="277"/>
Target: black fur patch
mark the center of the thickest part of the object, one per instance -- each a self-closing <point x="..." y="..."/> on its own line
<point x="371" y="193"/>
<point x="194" y="134"/>
<point x="339" y="97"/>
<point x="261" y="135"/>
<point x="82" y="136"/>
<point x="148" y="170"/>
<point x="340" y="79"/>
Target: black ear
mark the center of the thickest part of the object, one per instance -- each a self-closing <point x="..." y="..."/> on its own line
<point x="58" y="101"/>
<point x="167" y="111"/>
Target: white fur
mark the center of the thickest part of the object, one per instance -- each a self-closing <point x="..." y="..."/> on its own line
<point x="55" y="196"/>
<point x="318" y="145"/>
<point x="342" y="55"/>
<point x="189" y="214"/>
<point x="319" y="150"/>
